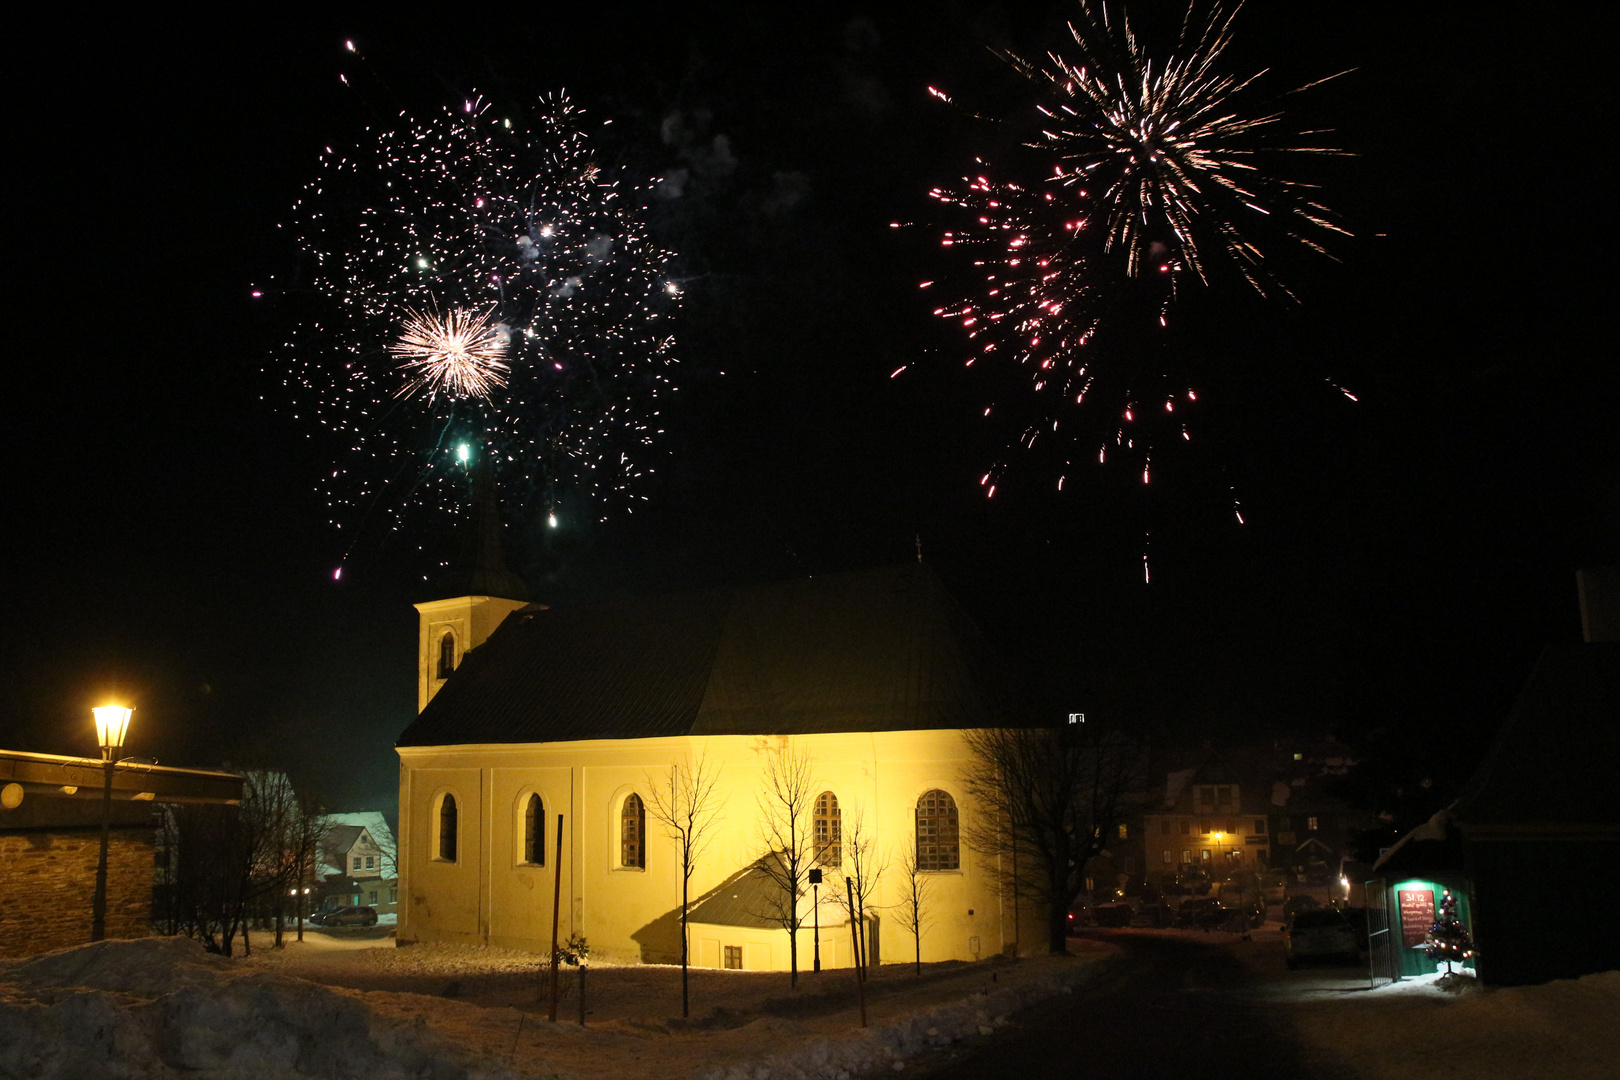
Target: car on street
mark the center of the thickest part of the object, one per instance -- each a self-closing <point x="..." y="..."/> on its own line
<point x="1320" y="934"/>
<point x="1203" y="913"/>
<point x="351" y="916"/>
<point x="1116" y="914"/>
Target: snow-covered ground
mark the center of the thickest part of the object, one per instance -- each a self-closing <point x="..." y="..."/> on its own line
<point x="350" y="1004"/>
<point x="1416" y="1030"/>
<point x="164" y="1008"/>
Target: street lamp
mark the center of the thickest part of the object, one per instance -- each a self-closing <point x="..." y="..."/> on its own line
<point x="1219" y="855"/>
<point x="112" y="724"/>
<point x="300" y="900"/>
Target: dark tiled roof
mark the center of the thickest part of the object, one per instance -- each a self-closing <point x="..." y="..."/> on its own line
<point x="883" y="650"/>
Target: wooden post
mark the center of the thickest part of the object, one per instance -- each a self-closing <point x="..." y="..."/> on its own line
<point x="582" y="991"/>
<point x="855" y="944"/>
<point x="556" y="903"/>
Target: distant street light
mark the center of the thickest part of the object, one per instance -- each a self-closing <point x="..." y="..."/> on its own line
<point x="112" y="724"/>
<point x="300" y="899"/>
<point x="1219" y="855"/>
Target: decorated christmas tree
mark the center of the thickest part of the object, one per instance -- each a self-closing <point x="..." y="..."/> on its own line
<point x="1448" y="938"/>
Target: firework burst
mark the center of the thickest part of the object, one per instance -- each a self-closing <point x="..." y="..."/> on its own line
<point x="1148" y="170"/>
<point x="459" y="354"/>
<point x="554" y="347"/>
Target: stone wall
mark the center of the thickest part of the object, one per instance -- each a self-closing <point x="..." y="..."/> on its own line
<point x="48" y="886"/>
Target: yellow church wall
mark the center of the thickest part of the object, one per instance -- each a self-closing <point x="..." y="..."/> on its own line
<point x="631" y="914"/>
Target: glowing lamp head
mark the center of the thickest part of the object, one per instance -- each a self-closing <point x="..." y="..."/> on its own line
<point x="462" y="453"/>
<point x="112" y="724"/>
<point x="551" y="520"/>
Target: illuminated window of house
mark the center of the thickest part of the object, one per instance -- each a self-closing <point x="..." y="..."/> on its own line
<point x="1311" y="824"/>
<point x="829" y="830"/>
<point x="734" y="957"/>
<point x="447" y="654"/>
<point x="633" y="833"/>
<point x="1186" y="855"/>
<point x="938" y="846"/>
<point x="534" y="831"/>
<point x="1124" y="831"/>
<point x="1168" y="857"/>
<point x="447" y="828"/>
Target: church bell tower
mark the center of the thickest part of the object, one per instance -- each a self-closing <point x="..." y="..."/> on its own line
<point x="480" y="592"/>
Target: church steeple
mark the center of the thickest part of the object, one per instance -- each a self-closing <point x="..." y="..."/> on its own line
<point x="480" y="591"/>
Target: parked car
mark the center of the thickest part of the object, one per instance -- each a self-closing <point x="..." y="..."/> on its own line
<point x="1298" y="903"/>
<point x="1321" y="933"/>
<point x="351" y="916"/>
<point x="1202" y="913"/>
<point x="1117" y="914"/>
<point x="1274" y="886"/>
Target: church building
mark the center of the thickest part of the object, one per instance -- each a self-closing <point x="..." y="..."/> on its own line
<point x="531" y="713"/>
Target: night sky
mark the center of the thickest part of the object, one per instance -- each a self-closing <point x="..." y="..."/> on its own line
<point x="1405" y="556"/>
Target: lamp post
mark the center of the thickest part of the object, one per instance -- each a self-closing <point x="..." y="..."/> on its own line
<point x="112" y="724"/>
<point x="300" y="898"/>
<point x="815" y="908"/>
<point x="1219" y="855"/>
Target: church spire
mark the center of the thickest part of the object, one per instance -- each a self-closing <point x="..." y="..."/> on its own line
<point x="483" y="568"/>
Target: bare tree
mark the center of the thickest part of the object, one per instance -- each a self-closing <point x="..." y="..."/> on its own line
<point x="864" y="868"/>
<point x="1049" y="799"/>
<point x="785" y="798"/>
<point x="224" y="861"/>
<point x="688" y="808"/>
<point x="912" y="911"/>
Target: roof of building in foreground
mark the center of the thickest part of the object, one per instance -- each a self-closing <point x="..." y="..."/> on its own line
<point x="877" y="650"/>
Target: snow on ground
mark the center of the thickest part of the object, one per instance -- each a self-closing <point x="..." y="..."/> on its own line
<point x="347" y="1003"/>
<point x="163" y="1008"/>
<point x="1417" y="1030"/>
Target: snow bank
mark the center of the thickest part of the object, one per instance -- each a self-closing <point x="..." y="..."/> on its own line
<point x="162" y="1007"/>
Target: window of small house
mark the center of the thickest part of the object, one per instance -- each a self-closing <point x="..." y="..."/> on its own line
<point x="938" y="844"/>
<point x="829" y="830"/>
<point x="734" y="957"/>
<point x="633" y="833"/>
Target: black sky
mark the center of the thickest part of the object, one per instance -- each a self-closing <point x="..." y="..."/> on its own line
<point x="1404" y="560"/>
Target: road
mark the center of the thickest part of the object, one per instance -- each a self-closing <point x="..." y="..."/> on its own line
<point x="1174" y="1006"/>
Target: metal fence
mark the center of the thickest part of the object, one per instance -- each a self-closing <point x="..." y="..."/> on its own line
<point x="1382" y="961"/>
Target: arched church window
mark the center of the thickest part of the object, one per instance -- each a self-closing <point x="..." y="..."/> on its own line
<point x="829" y="830"/>
<point x="534" y="831"/>
<point x="447" y="828"/>
<point x="938" y="835"/>
<point x="447" y="655"/>
<point x="633" y="833"/>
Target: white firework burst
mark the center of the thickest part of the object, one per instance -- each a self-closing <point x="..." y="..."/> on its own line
<point x="460" y="354"/>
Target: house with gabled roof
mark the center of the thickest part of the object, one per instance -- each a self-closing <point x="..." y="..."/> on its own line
<point x="1531" y="846"/>
<point x="538" y="742"/>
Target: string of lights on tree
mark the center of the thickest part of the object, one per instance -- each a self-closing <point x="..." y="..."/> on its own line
<point x="479" y="279"/>
<point x="1152" y="173"/>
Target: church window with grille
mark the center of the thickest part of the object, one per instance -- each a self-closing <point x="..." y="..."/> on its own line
<point x="534" y="831"/>
<point x="633" y="833"/>
<point x="447" y="828"/>
<point x="829" y="830"/>
<point x="938" y="844"/>
<point x="447" y="655"/>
